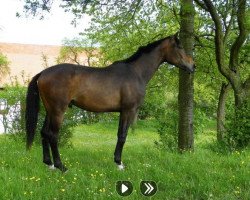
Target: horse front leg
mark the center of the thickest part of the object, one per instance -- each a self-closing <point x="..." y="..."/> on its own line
<point x="121" y="139"/>
<point x="126" y="119"/>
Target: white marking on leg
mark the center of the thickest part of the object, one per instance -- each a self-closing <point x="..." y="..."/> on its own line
<point x="121" y="166"/>
<point x="52" y="167"/>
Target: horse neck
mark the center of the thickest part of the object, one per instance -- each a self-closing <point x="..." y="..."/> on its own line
<point x="147" y="64"/>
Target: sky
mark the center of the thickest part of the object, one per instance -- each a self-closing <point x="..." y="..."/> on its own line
<point x="50" y="31"/>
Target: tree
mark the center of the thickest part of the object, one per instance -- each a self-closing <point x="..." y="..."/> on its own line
<point x="230" y="70"/>
<point x="4" y="66"/>
<point x="231" y="30"/>
<point x="186" y="87"/>
<point x="74" y="50"/>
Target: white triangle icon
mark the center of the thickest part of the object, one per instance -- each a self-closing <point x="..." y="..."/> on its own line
<point x="124" y="188"/>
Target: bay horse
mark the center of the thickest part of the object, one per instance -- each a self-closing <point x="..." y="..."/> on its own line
<point x="119" y="87"/>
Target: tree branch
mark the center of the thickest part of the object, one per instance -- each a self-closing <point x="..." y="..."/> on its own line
<point x="243" y="32"/>
<point x="219" y="44"/>
<point x="229" y="26"/>
<point x="137" y="4"/>
<point x="201" y="4"/>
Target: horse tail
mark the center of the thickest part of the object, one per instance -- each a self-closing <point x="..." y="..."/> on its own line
<point x="32" y="109"/>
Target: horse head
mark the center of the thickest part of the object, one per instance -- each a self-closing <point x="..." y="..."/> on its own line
<point x="174" y="54"/>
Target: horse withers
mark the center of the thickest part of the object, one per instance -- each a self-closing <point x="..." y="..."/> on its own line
<point x="119" y="87"/>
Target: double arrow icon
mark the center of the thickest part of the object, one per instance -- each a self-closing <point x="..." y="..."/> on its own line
<point x="148" y="188"/>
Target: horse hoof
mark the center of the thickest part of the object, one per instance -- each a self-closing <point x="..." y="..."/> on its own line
<point x="121" y="166"/>
<point x="63" y="169"/>
<point x="52" y="167"/>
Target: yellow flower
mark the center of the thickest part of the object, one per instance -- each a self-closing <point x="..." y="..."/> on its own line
<point x="236" y="191"/>
<point x="102" y="190"/>
<point x="63" y="190"/>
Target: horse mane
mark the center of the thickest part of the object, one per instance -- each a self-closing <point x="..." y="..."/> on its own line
<point x="141" y="50"/>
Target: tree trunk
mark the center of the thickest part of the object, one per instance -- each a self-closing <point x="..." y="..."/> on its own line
<point x="186" y="86"/>
<point x="221" y="111"/>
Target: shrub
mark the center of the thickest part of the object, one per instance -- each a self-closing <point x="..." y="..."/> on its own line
<point x="13" y="115"/>
<point x="167" y="118"/>
<point x="4" y="66"/>
<point x="168" y="127"/>
<point x="238" y="127"/>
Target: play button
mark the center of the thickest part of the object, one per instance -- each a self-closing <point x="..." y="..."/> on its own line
<point x="124" y="188"/>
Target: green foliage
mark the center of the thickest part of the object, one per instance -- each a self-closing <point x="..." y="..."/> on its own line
<point x="156" y="93"/>
<point x="13" y="115"/>
<point x="120" y="28"/>
<point x="168" y="127"/>
<point x="4" y="66"/>
<point x="238" y="128"/>
<point x="3" y="60"/>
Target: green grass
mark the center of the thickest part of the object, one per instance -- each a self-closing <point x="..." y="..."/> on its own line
<point x="204" y="174"/>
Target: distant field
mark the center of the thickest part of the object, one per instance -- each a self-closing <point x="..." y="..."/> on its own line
<point x="28" y="59"/>
<point x="204" y="174"/>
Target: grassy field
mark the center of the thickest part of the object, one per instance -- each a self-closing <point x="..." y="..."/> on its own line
<point x="204" y="174"/>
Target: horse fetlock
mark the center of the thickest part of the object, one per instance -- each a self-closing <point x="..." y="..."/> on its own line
<point x="117" y="160"/>
<point x="47" y="161"/>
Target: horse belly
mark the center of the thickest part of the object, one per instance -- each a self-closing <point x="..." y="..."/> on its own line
<point x="99" y="101"/>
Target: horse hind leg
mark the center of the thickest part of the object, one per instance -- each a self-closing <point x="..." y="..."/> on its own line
<point x="45" y="142"/>
<point x="54" y="126"/>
